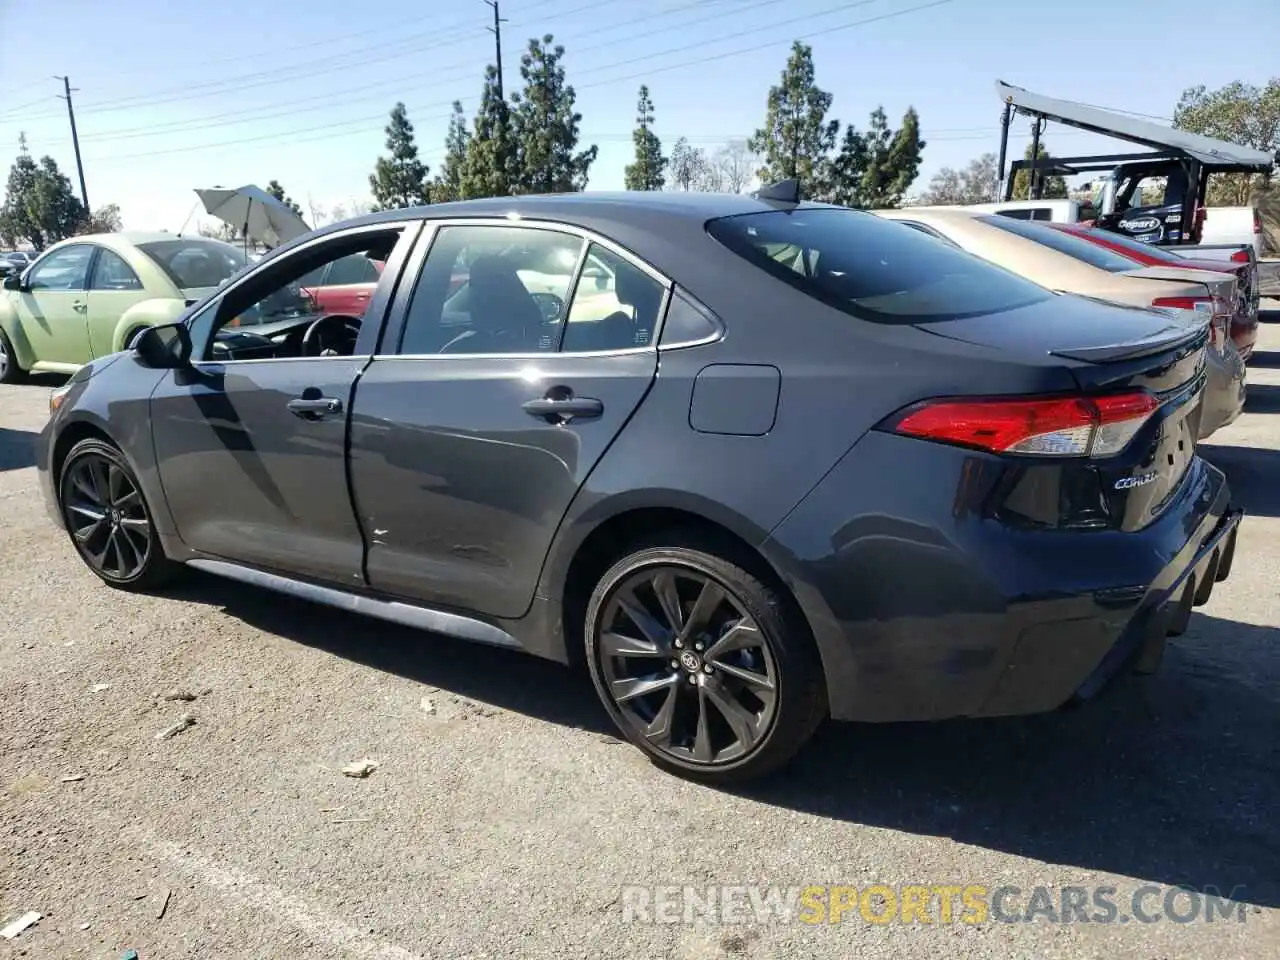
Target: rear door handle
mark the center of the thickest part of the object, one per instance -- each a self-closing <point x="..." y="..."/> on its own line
<point x="79" y="306"/>
<point x="310" y="408"/>
<point x="563" y="409"/>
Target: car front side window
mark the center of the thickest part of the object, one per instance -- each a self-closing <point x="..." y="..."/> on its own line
<point x="64" y="269"/>
<point x="272" y="314"/>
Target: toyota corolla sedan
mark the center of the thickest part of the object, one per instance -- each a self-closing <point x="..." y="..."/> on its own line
<point x="809" y="464"/>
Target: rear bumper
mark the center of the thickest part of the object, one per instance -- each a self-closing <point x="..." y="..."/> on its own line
<point x="923" y="612"/>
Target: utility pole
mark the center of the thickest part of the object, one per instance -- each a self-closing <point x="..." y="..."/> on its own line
<point x="496" y="30"/>
<point x="75" y="139"/>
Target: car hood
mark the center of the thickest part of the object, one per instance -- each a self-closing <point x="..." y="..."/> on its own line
<point x="1070" y="325"/>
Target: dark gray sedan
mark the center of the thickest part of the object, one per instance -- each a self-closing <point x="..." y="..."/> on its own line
<point x="755" y="462"/>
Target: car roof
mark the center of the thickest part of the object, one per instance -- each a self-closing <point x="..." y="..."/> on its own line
<point x="940" y="214"/>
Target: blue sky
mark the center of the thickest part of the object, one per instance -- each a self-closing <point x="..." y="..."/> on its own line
<point x="174" y="96"/>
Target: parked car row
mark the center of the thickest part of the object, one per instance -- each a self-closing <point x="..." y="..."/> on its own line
<point x="1092" y="264"/>
<point x="756" y="462"/>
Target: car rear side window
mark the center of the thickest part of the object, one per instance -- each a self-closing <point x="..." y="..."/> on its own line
<point x="872" y="268"/>
<point x="195" y="263"/>
<point x="1075" y="247"/>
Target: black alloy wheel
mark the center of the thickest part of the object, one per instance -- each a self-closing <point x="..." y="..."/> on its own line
<point x="700" y="667"/>
<point x="107" y="517"/>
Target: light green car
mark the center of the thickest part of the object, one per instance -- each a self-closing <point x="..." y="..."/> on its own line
<point x="90" y="296"/>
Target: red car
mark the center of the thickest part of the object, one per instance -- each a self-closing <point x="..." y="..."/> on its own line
<point x="345" y="285"/>
<point x="1244" y="322"/>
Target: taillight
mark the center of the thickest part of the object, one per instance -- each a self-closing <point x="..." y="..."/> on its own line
<point x="1184" y="303"/>
<point x="1052" y="427"/>
<point x="1241" y="256"/>
<point x="1216" y="311"/>
<point x="1257" y="221"/>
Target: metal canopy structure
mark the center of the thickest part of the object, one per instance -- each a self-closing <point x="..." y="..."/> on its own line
<point x="1217" y="156"/>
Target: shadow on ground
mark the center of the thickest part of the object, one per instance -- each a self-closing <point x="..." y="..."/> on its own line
<point x="1262" y="398"/>
<point x="1265" y="360"/>
<point x="1173" y="779"/>
<point x="17" y="449"/>
<point x="1254" y="475"/>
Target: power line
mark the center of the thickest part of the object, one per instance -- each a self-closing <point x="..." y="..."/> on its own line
<point x="330" y="131"/>
<point x="291" y="73"/>
<point x="464" y="70"/>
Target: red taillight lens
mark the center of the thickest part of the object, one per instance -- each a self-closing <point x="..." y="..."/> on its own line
<point x="1184" y="303"/>
<point x="1240" y="256"/>
<point x="1054" y="427"/>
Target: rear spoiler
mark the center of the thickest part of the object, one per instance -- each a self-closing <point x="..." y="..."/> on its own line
<point x="1160" y="342"/>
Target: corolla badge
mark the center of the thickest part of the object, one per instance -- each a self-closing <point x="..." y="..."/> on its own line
<point x="1141" y="480"/>
<point x="1140" y="224"/>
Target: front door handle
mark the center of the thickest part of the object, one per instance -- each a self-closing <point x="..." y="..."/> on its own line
<point x="79" y="306"/>
<point x="313" y="408"/>
<point x="563" y="409"/>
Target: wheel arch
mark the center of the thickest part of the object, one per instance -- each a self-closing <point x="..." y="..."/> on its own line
<point x="23" y="355"/>
<point x="596" y="539"/>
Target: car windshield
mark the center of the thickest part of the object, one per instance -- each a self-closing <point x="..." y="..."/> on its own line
<point x="1077" y="248"/>
<point x="872" y="268"/>
<point x="194" y="263"/>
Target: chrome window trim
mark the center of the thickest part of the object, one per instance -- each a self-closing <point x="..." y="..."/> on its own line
<point x="551" y="226"/>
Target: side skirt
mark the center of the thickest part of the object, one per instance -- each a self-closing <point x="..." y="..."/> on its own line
<point x="406" y="614"/>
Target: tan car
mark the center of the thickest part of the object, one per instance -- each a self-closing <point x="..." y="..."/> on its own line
<point x="1070" y="264"/>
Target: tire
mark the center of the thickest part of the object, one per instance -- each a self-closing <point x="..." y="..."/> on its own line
<point x="10" y="372"/>
<point x="108" y="519"/>
<point x="675" y="703"/>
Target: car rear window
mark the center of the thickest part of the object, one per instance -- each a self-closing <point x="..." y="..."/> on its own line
<point x="871" y="268"/>
<point x="1075" y="247"/>
<point x="194" y="263"/>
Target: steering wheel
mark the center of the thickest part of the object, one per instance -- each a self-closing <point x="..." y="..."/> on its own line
<point x="334" y="335"/>
<point x="550" y="305"/>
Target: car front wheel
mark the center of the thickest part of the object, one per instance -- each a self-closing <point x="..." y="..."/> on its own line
<point x="108" y="518"/>
<point x="701" y="664"/>
<point x="10" y="372"/>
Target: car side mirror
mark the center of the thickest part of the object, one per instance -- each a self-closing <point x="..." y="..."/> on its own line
<point x="166" y="347"/>
<point x="13" y="282"/>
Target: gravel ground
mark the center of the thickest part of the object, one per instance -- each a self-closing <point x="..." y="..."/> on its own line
<point x="503" y="820"/>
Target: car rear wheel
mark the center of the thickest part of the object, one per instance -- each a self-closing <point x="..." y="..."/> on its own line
<point x="108" y="518"/>
<point x="10" y="372"/>
<point x="701" y="664"/>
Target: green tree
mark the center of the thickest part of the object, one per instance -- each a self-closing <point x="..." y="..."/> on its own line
<point x="274" y="189"/>
<point x="873" y="170"/>
<point x="104" y="220"/>
<point x="1239" y="112"/>
<point x="647" y="172"/>
<point x="797" y="137"/>
<point x="401" y="179"/>
<point x="1051" y="188"/>
<point x="448" y="185"/>
<point x="545" y="125"/>
<point x="40" y="206"/>
<point x="490" y="167"/>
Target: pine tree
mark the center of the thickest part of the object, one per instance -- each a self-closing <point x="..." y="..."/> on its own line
<point x="797" y="137"/>
<point x="401" y="180"/>
<point x="274" y="189"/>
<point x="874" y="169"/>
<point x="847" y="169"/>
<point x="489" y="169"/>
<point x="448" y="186"/>
<point x="646" y="172"/>
<point x="40" y="205"/>
<point x="545" y="125"/>
<point x="1051" y="188"/>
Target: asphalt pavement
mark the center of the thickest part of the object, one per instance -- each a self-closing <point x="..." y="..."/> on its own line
<point x="504" y="819"/>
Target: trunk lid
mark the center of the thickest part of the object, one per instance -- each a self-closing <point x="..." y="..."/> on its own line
<point x="1112" y="348"/>
<point x="1218" y="284"/>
